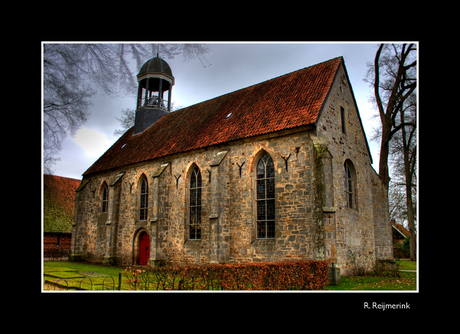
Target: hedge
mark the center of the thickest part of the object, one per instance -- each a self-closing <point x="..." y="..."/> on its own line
<point x="285" y="275"/>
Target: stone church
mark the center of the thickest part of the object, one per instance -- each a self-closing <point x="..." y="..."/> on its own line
<point x="276" y="171"/>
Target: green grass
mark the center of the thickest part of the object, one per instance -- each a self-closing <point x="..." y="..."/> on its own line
<point x="407" y="281"/>
<point x="81" y="267"/>
<point x="64" y="274"/>
<point x="407" y="265"/>
<point x="52" y="269"/>
<point x="99" y="283"/>
<point x="74" y="274"/>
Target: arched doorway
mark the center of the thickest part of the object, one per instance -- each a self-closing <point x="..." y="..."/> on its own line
<point x="144" y="249"/>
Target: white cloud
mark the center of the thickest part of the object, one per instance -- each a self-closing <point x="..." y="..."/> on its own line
<point x="93" y="142"/>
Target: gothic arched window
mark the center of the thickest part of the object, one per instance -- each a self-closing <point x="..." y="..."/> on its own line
<point x="265" y="197"/>
<point x="350" y="185"/>
<point x="195" y="205"/>
<point x="105" y="199"/>
<point x="144" y="197"/>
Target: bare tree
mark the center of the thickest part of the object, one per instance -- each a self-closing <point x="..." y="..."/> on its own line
<point x="126" y="120"/>
<point x="393" y="78"/>
<point x="73" y="73"/>
<point x="128" y="117"/>
<point x="403" y="150"/>
<point x="397" y="200"/>
<point x="189" y="52"/>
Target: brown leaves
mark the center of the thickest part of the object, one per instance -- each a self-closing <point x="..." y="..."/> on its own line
<point x="285" y="275"/>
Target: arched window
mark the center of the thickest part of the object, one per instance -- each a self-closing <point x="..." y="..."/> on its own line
<point x="195" y="205"/>
<point x="350" y="183"/>
<point x="265" y="197"/>
<point x="144" y="198"/>
<point x="105" y="199"/>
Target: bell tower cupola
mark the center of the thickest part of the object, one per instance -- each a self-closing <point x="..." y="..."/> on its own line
<point x="154" y="93"/>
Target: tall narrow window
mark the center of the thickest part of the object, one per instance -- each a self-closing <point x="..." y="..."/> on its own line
<point x="143" y="203"/>
<point x="348" y="186"/>
<point x="105" y="199"/>
<point x="265" y="197"/>
<point x="195" y="205"/>
<point x="342" y="117"/>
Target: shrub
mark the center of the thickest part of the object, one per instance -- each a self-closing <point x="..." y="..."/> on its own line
<point x="285" y="275"/>
<point x="136" y="278"/>
<point x="384" y="268"/>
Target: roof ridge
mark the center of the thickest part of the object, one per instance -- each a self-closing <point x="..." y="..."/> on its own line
<point x="259" y="83"/>
<point x="63" y="177"/>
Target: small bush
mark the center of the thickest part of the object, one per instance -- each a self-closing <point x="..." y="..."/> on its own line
<point x="385" y="268"/>
<point x="404" y="248"/>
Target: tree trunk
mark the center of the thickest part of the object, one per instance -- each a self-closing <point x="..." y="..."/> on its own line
<point x="384" y="151"/>
<point x="386" y="125"/>
<point x="408" y="176"/>
<point x="410" y="218"/>
<point x="410" y="206"/>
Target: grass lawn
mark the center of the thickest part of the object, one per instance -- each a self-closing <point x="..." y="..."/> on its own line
<point x="82" y="276"/>
<point x="407" y="265"/>
<point x="407" y="281"/>
<point x="95" y="277"/>
<point x="81" y="267"/>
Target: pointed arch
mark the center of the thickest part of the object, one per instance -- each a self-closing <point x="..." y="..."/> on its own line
<point x="265" y="196"/>
<point x="143" y="197"/>
<point x="256" y="157"/>
<point x="188" y="171"/>
<point x="104" y="197"/>
<point x="194" y="221"/>
<point x="350" y="178"/>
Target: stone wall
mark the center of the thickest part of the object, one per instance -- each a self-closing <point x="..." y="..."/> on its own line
<point x="228" y="205"/>
<point x="364" y="230"/>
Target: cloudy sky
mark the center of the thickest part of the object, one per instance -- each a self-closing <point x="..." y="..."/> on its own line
<point x="233" y="66"/>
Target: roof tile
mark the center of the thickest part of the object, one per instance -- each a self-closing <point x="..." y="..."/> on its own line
<point x="292" y="100"/>
<point x="59" y="203"/>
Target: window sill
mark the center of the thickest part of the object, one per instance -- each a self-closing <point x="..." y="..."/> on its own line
<point x="193" y="242"/>
<point x="193" y="245"/>
<point x="263" y="242"/>
<point x="328" y="209"/>
<point x="352" y="210"/>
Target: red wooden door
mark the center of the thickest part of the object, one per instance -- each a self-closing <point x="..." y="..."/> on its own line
<point x="144" y="249"/>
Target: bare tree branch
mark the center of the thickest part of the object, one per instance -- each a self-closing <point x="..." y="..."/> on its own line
<point x="73" y="73"/>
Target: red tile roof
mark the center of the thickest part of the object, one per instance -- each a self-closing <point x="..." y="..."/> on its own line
<point x="292" y="100"/>
<point x="59" y="203"/>
<point x="400" y="228"/>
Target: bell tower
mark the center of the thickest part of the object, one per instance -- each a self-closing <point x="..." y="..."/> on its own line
<point x="154" y="93"/>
